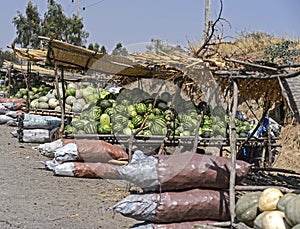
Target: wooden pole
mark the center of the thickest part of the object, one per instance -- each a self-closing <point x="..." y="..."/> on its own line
<point x="232" y="136"/>
<point x="207" y="18"/>
<point x="9" y="80"/>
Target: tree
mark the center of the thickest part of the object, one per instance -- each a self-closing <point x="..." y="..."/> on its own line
<point x="119" y="50"/>
<point x="158" y="45"/>
<point x="7" y="55"/>
<point x="103" y="49"/>
<point x="57" y="24"/>
<point x="28" y="27"/>
<point x="94" y="47"/>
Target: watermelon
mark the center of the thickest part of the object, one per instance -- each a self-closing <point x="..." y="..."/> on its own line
<point x="94" y="113"/>
<point x="127" y="131"/>
<point x="131" y="111"/>
<point x="90" y="128"/>
<point x="104" y="119"/>
<point x="137" y="120"/>
<point x="70" y="130"/>
<point x="121" y="109"/>
<point x="71" y="91"/>
<point x="109" y="111"/>
<point x="125" y="102"/>
<point x="104" y="129"/>
<point x="104" y="104"/>
<point x="117" y="128"/>
<point x="118" y="118"/>
<point x="91" y="98"/>
<point x="141" y="108"/>
<point x="157" y="111"/>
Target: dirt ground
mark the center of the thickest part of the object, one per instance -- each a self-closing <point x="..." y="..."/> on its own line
<point x="31" y="197"/>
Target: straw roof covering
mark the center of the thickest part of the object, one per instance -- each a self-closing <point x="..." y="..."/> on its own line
<point x="194" y="75"/>
<point x="32" y="55"/>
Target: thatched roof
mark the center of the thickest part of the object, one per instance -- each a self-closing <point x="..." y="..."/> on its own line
<point x="198" y="77"/>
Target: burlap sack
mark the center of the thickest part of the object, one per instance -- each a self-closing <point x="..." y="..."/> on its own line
<point x="97" y="150"/>
<point x="181" y="225"/>
<point x="171" y="207"/>
<point x="190" y="170"/>
<point x="182" y="171"/>
<point x="95" y="170"/>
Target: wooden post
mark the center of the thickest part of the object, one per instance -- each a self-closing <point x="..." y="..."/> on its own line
<point x="62" y="126"/>
<point x="9" y="80"/>
<point x="207" y="18"/>
<point x="269" y="148"/>
<point x="27" y="82"/>
<point x="232" y="138"/>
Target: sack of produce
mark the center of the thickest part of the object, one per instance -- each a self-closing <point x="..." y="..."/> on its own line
<point x="171" y="207"/>
<point x="182" y="171"/>
<point x="69" y="150"/>
<point x="4" y="119"/>
<point x="48" y="149"/>
<point x="3" y="109"/>
<point x="181" y="225"/>
<point x="91" y="150"/>
<point x="86" y="170"/>
<point x="32" y="121"/>
<point x="34" y="135"/>
<point x="12" y="103"/>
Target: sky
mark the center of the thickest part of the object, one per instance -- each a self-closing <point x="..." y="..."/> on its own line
<point x="135" y="22"/>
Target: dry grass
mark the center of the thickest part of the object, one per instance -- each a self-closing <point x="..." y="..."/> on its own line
<point x="246" y="46"/>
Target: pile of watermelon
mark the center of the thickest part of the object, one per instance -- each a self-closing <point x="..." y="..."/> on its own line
<point x="19" y="90"/>
<point x="137" y="111"/>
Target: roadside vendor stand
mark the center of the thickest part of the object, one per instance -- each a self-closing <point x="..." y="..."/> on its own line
<point x="225" y="82"/>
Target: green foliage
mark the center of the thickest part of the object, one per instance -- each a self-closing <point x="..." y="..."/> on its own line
<point x="93" y="47"/>
<point x="7" y="55"/>
<point x="158" y="46"/>
<point x="103" y="49"/>
<point x="28" y="27"/>
<point x="119" y="50"/>
<point x="282" y="52"/>
<point x="54" y="24"/>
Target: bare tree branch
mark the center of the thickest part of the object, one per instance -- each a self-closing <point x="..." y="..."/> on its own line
<point x="210" y="32"/>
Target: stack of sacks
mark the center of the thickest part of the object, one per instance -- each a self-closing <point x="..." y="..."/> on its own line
<point x="37" y="128"/>
<point x="181" y="189"/>
<point x="8" y="117"/>
<point x="83" y="158"/>
<point x="11" y="104"/>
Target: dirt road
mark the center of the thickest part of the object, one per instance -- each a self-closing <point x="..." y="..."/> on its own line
<point x="31" y="197"/>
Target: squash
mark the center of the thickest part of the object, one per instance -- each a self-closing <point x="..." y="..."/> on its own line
<point x="268" y="199"/>
<point x="34" y="104"/>
<point x="77" y="107"/>
<point x="78" y="94"/>
<point x="43" y="105"/>
<point x="246" y="208"/>
<point x="296" y="226"/>
<point x="53" y="102"/>
<point x="258" y="222"/>
<point x="68" y="108"/>
<point x="70" y="100"/>
<point x="283" y="200"/>
<point x="43" y="99"/>
<point x="274" y="220"/>
<point x="292" y="211"/>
